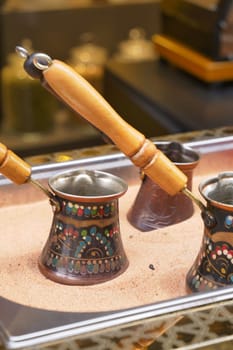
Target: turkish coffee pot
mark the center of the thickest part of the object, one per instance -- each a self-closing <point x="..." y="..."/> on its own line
<point x="62" y="81"/>
<point x="213" y="266"/>
<point x="84" y="245"/>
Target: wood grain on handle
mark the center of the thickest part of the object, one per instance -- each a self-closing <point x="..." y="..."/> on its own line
<point x="75" y="91"/>
<point x="13" y="167"/>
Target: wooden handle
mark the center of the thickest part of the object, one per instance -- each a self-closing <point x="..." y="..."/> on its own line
<point x="13" y="167"/>
<point x="75" y="91"/>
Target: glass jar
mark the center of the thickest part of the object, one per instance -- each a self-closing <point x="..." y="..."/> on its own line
<point x="26" y="106"/>
<point x="89" y="60"/>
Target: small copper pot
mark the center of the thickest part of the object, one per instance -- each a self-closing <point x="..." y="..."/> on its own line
<point x="84" y="245"/>
<point x="153" y="208"/>
<point x="213" y="266"/>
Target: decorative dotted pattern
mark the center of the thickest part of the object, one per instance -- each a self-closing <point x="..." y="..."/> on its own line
<point x="76" y="247"/>
<point x="213" y="267"/>
<point x="90" y="211"/>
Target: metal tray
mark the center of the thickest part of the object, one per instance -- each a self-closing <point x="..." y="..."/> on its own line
<point x="191" y="321"/>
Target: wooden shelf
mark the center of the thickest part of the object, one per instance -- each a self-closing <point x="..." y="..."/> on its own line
<point x="193" y="62"/>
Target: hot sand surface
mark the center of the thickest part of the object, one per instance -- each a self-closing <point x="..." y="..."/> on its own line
<point x="171" y="250"/>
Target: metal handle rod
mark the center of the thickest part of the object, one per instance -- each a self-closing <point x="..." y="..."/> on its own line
<point x="191" y="196"/>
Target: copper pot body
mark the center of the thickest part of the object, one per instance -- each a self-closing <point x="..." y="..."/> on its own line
<point x="153" y="208"/>
<point x="213" y="267"/>
<point x="84" y="246"/>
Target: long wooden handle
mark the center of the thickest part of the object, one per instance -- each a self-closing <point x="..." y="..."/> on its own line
<point x="13" y="167"/>
<point x="75" y="91"/>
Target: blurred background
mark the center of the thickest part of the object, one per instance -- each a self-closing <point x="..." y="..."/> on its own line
<point x="84" y="33"/>
<point x="114" y="44"/>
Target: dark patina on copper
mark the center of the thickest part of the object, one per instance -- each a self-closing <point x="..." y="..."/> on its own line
<point x="84" y="246"/>
<point x="153" y="208"/>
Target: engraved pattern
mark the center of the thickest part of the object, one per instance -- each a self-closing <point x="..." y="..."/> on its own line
<point x="85" y="240"/>
<point x="213" y="267"/>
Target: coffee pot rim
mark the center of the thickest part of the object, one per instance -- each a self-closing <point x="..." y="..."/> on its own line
<point x="213" y="187"/>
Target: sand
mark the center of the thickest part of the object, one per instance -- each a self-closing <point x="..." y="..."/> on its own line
<point x="158" y="262"/>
